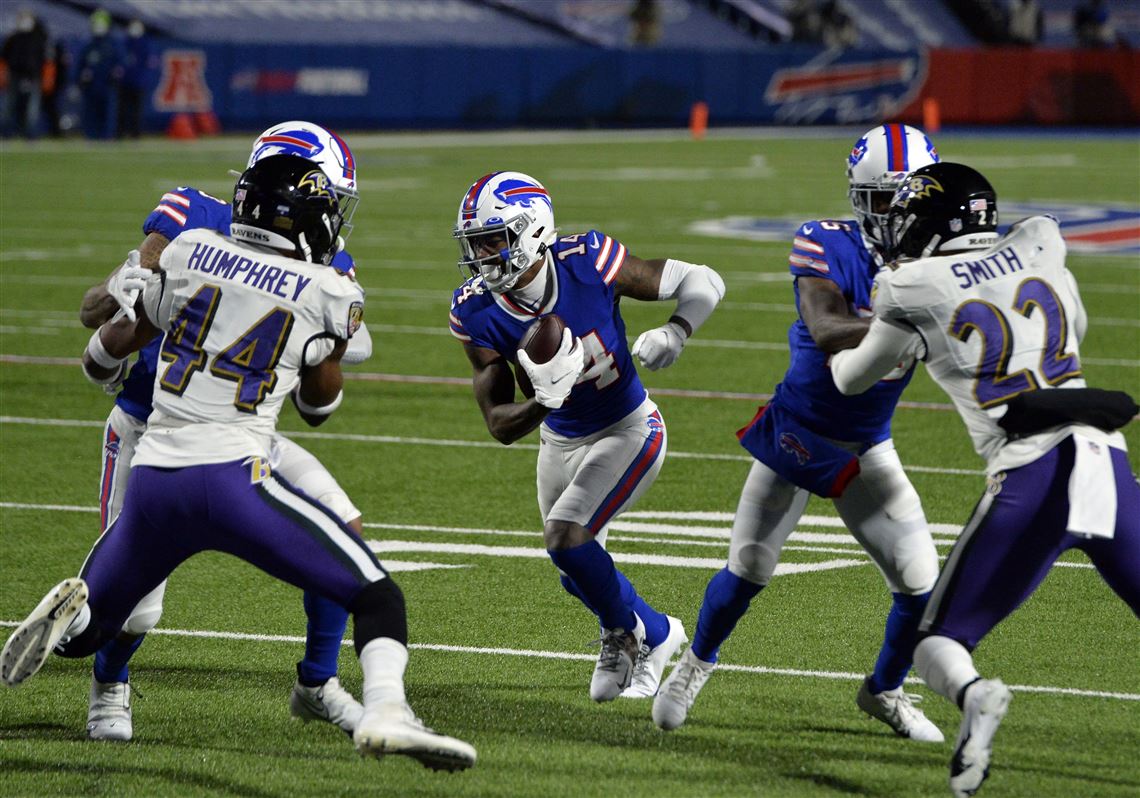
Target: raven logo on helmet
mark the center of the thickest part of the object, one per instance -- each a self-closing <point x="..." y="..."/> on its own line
<point x="917" y="187"/>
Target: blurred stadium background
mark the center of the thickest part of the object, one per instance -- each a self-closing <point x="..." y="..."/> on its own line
<point x="462" y="64"/>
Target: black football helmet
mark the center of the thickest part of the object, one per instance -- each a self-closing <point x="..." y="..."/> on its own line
<point x="941" y="207"/>
<point x="287" y="202"/>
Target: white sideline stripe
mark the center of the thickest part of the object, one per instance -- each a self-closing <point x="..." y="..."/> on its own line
<point x="806" y="520"/>
<point x="566" y="655"/>
<point x="346" y="436"/>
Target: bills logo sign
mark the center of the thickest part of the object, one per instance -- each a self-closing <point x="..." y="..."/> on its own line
<point x="1112" y="230"/>
<point x="844" y="88"/>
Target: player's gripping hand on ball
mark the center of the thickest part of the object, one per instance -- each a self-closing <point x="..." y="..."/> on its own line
<point x="660" y="347"/>
<point x="126" y="284"/>
<point x="554" y="379"/>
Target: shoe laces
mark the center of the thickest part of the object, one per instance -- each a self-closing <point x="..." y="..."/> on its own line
<point x="615" y="643"/>
<point x="903" y="707"/>
<point x="690" y="678"/>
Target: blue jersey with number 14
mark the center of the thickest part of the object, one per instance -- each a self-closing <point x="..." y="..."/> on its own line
<point x="583" y="269"/>
<point x="836" y="251"/>
<point x="179" y="210"/>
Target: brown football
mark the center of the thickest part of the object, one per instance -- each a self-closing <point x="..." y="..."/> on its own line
<point x="541" y="340"/>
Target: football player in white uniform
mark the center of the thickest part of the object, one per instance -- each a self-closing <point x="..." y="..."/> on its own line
<point x="248" y="321"/>
<point x="809" y="439"/>
<point x="999" y="322"/>
<point x="317" y="693"/>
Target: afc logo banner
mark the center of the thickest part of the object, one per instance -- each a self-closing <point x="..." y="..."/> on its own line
<point x="182" y="86"/>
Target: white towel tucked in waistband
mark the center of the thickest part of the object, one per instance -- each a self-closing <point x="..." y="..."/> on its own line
<point x="1092" y="490"/>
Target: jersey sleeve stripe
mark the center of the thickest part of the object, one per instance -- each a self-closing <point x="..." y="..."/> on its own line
<point x="177" y="216"/>
<point x="808" y="245"/>
<point x="604" y="255"/>
<point x="619" y="259"/>
<point x="809" y="263"/>
<point x="455" y="320"/>
<point x="461" y="336"/>
<point x="177" y="199"/>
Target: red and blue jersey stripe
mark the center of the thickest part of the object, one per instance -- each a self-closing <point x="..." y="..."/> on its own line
<point x="650" y="452"/>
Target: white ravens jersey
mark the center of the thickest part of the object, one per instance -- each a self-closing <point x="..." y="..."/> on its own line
<point x="996" y="323"/>
<point x="239" y="322"/>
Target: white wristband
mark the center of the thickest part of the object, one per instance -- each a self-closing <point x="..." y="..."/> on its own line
<point x="325" y="410"/>
<point x="99" y="353"/>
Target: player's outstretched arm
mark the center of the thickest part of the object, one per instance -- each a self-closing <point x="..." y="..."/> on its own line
<point x="886" y="346"/>
<point x="827" y="317"/>
<point x="321" y="389"/>
<point x="494" y="384"/>
<point x="697" y="289"/>
<point x="104" y="300"/>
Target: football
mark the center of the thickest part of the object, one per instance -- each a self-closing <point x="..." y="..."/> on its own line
<point x="541" y="340"/>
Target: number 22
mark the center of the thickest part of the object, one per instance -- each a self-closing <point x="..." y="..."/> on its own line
<point x="993" y="384"/>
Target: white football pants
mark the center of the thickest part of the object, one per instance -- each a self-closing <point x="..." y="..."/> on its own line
<point x="880" y="507"/>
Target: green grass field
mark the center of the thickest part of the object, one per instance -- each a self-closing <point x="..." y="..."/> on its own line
<point x="501" y="655"/>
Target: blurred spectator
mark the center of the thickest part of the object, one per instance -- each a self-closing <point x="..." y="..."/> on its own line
<point x="1092" y="25"/>
<point x="1026" y="22"/>
<point x="140" y="63"/>
<point x="646" y="19"/>
<point x="56" y="84"/>
<point x="23" y="54"/>
<point x="805" y="21"/>
<point x="837" y="29"/>
<point x="100" y="71"/>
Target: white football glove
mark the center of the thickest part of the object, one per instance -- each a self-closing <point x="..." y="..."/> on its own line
<point x="126" y="284"/>
<point x="554" y="379"/>
<point x="660" y="347"/>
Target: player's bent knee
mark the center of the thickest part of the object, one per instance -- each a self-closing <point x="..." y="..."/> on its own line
<point x="562" y="535"/>
<point x="916" y="563"/>
<point x="142" y="622"/>
<point x="751" y="563"/>
<point x="378" y="610"/>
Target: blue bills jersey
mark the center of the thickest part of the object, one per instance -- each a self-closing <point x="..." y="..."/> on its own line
<point x="180" y="209"/>
<point x="584" y="268"/>
<point x="836" y="251"/>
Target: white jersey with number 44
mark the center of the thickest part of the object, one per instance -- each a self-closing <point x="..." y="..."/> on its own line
<point x="996" y="323"/>
<point x="239" y="322"/>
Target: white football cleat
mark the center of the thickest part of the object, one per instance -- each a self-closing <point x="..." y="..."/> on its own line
<point x="679" y="692"/>
<point x="897" y="709"/>
<point x="614" y="669"/>
<point x="27" y="649"/>
<point x="983" y="707"/>
<point x="109" y="711"/>
<point x="329" y="702"/>
<point x="651" y="662"/>
<point x="394" y="729"/>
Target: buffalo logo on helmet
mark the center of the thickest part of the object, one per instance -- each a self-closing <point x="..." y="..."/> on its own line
<point x="857" y="152"/>
<point x="917" y="187"/>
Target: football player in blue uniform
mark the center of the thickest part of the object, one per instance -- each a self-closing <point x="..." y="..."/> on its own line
<point x="317" y="694"/>
<point x="998" y="321"/>
<point x="602" y="439"/>
<point x="811" y="439"/>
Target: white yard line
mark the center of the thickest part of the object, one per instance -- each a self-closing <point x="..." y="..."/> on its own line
<point x="576" y="657"/>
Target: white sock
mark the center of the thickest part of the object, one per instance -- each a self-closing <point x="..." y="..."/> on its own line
<point x="945" y="665"/>
<point x="383" y="661"/>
